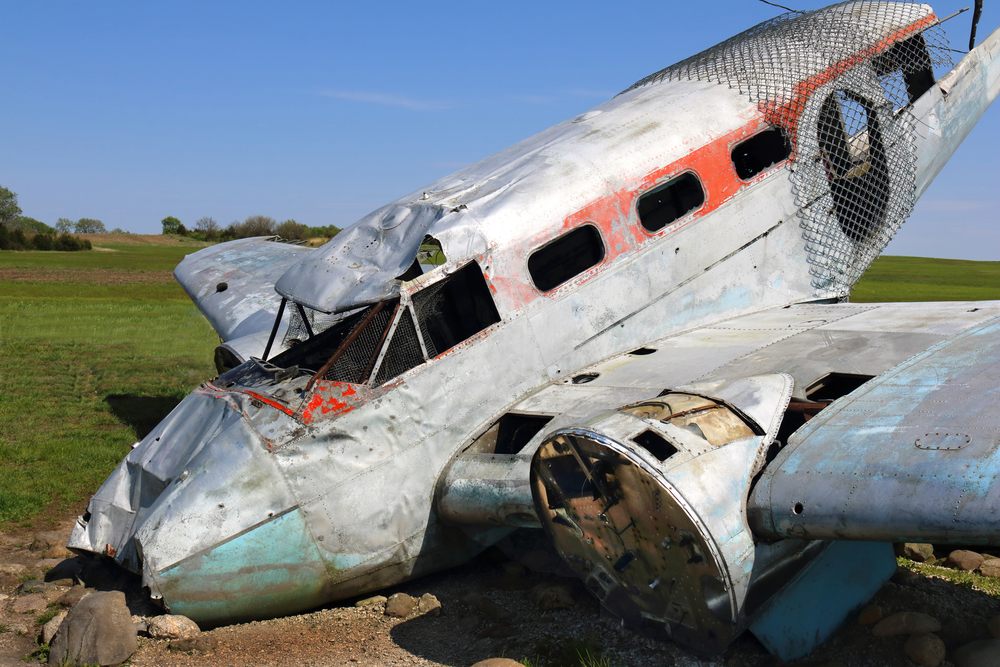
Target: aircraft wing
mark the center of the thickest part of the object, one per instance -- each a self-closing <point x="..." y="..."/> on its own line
<point x="233" y="286"/>
<point x="911" y="456"/>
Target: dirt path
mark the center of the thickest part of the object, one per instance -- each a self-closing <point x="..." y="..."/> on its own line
<point x="488" y="610"/>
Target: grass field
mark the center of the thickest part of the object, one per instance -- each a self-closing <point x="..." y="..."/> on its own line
<point x="96" y="347"/>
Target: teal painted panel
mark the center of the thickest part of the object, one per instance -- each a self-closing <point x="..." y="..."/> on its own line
<point x="274" y="567"/>
<point x="804" y="615"/>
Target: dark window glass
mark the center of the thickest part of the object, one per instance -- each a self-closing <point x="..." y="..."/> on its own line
<point x="672" y="200"/>
<point x="569" y="255"/>
<point x="760" y="152"/>
<point x="454" y="309"/>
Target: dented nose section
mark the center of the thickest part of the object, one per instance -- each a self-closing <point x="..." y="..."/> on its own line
<point x="202" y="512"/>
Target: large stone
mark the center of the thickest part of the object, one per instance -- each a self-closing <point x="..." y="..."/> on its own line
<point x="98" y="630"/>
<point x="487" y="607"/>
<point x="497" y="662"/>
<point x="399" y="605"/>
<point x="50" y="628"/>
<point x="982" y="653"/>
<point x="870" y="615"/>
<point x="57" y="551"/>
<point x="13" y="569"/>
<point x="8" y="581"/>
<point x="34" y="586"/>
<point x="906" y="623"/>
<point x="550" y="596"/>
<point x="429" y="605"/>
<point x="74" y="595"/>
<point x="964" y="560"/>
<point x="29" y="604"/>
<point x="170" y="626"/>
<point x="44" y="541"/>
<point x="990" y="568"/>
<point x="925" y="649"/>
<point x="914" y="551"/>
<point x="993" y="625"/>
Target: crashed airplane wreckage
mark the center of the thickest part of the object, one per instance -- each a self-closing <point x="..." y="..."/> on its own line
<point x="638" y="341"/>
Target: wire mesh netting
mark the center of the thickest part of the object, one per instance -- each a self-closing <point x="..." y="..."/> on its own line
<point x="359" y="357"/>
<point x="403" y="352"/>
<point x="838" y="81"/>
<point x="319" y="322"/>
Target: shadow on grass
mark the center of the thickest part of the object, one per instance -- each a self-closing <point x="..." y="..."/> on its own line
<point x="142" y="413"/>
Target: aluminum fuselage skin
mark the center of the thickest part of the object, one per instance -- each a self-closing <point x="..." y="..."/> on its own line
<point x="261" y="499"/>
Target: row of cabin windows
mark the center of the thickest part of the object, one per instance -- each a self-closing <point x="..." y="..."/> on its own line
<point x="582" y="248"/>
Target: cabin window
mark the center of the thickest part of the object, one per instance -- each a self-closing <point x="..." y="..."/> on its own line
<point x="454" y="309"/>
<point x="760" y="152"/>
<point x="566" y="257"/>
<point x="905" y="71"/>
<point x="669" y="202"/>
<point x="851" y="144"/>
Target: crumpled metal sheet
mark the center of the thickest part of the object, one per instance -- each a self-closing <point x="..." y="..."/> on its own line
<point x="248" y="268"/>
<point x="361" y="265"/>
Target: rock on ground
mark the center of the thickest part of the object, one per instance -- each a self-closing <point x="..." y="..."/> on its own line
<point x="920" y="553"/>
<point x="372" y="601"/>
<point x="47" y="540"/>
<point x="498" y="662"/>
<point x="429" y="605"/>
<point x="990" y="568"/>
<point x="49" y="629"/>
<point x="171" y="626"/>
<point x="399" y="605"/>
<point x="74" y="595"/>
<point x="906" y="623"/>
<point x="98" y="630"/>
<point x="550" y="596"/>
<point x="870" y="615"/>
<point x="29" y="603"/>
<point x="964" y="560"/>
<point x="982" y="653"/>
<point x="925" y="649"/>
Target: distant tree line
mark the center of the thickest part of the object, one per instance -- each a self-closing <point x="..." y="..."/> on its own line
<point x="13" y="226"/>
<point x="207" y="229"/>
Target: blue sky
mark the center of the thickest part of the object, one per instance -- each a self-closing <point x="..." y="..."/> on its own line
<point x="129" y="112"/>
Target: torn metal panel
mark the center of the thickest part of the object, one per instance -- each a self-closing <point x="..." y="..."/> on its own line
<point x="233" y="283"/>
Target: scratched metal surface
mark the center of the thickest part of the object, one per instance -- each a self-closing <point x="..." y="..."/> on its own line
<point x="256" y="489"/>
<point x="910" y="457"/>
<point x="243" y="312"/>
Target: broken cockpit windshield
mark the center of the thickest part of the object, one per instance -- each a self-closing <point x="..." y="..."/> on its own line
<point x="379" y="342"/>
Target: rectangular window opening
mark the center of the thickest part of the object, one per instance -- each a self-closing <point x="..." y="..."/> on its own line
<point x="669" y="202"/>
<point x="760" y="152"/>
<point x="566" y="257"/>
<point x="655" y="444"/>
<point x="454" y="309"/>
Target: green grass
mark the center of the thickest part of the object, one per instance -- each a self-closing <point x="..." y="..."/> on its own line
<point x="87" y="369"/>
<point x="923" y="279"/>
<point x="969" y="580"/>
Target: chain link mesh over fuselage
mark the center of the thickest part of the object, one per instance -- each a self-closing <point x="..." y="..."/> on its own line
<point x="839" y="81"/>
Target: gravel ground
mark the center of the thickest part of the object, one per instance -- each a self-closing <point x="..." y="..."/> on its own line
<point x="487" y="612"/>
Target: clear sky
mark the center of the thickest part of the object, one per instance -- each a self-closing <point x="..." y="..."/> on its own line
<point x="321" y="111"/>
